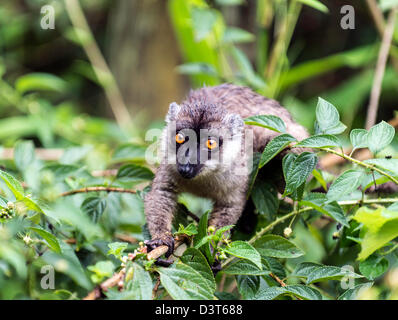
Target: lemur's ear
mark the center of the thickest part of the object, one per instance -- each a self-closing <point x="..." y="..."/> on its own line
<point x="234" y="122"/>
<point x="174" y="108"/>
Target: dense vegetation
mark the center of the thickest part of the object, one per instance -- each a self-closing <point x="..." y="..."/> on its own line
<point x="72" y="184"/>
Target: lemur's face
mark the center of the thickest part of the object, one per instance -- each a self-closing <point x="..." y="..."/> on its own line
<point x="205" y="138"/>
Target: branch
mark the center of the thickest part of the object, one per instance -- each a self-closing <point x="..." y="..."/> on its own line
<point x="331" y="159"/>
<point x="362" y="164"/>
<point x="96" y="189"/>
<point x="380" y="68"/>
<point x="100" y="67"/>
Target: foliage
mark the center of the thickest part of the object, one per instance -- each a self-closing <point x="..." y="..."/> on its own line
<point x="81" y="212"/>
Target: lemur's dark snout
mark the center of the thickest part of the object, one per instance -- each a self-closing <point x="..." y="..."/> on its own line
<point x="187" y="171"/>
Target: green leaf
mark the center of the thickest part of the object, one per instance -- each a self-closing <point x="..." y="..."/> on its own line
<point x="140" y="287"/>
<point x="245" y="267"/>
<point x="320" y="141"/>
<point x="275" y="146"/>
<point x="380" y="136"/>
<point x="277" y="247"/>
<point x="332" y="209"/>
<point x="185" y="283"/>
<point x="194" y="68"/>
<point x="352" y="294"/>
<point x="195" y="259"/>
<point x="268" y="121"/>
<point x="101" y="270"/>
<point x="327" y="116"/>
<point x="301" y="291"/>
<point x="117" y="248"/>
<point x="265" y="198"/>
<point x="359" y="138"/>
<point x="373" y="267"/>
<point x="94" y="207"/>
<point x="129" y="152"/>
<point x="68" y="264"/>
<point x="296" y="172"/>
<point x="316" y="5"/>
<point x="244" y="250"/>
<point x="134" y="172"/>
<point x="189" y="230"/>
<point x="246" y="68"/>
<point x="40" y="81"/>
<point x="248" y="286"/>
<point x="346" y="183"/>
<point x="379" y="227"/>
<point x="12" y="184"/>
<point x="386" y="164"/>
<point x="316" y="273"/>
<point x="203" y="21"/>
<point x="50" y="239"/>
<point x="202" y="234"/>
<point x="237" y="35"/>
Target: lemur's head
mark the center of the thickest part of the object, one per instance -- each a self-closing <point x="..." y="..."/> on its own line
<point x="202" y="137"/>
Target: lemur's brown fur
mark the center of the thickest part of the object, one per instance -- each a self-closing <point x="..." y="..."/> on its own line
<point x="211" y="108"/>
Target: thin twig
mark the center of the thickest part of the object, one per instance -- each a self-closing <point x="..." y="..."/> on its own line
<point x="96" y="189"/>
<point x="155" y="288"/>
<point x="276" y="278"/>
<point x="362" y="164"/>
<point x="380" y="68"/>
<point x="100" y="67"/>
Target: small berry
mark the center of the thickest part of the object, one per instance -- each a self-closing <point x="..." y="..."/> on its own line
<point x="287" y="232"/>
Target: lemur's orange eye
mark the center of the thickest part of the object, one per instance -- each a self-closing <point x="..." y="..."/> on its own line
<point x="211" y="144"/>
<point x="180" y="138"/>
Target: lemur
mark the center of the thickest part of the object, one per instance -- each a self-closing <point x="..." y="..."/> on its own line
<point x="206" y="136"/>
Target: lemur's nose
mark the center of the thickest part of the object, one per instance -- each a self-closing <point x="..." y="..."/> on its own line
<point x="186" y="171"/>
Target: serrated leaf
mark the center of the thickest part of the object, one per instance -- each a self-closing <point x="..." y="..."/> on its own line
<point x="346" y="183"/>
<point x="248" y="286"/>
<point x="320" y="141"/>
<point x="275" y="146"/>
<point x="94" y="207"/>
<point x="318" y="201"/>
<point x="50" y="239"/>
<point x="373" y="267"/>
<point x="296" y="172"/>
<point x="301" y="291"/>
<point x="359" y="138"/>
<point x="265" y="198"/>
<point x="195" y="259"/>
<point x="245" y="267"/>
<point x="244" y="250"/>
<point x="352" y="294"/>
<point x="134" y="172"/>
<point x="268" y="121"/>
<point x="386" y="164"/>
<point x="380" y="136"/>
<point x="13" y="184"/>
<point x="185" y="283"/>
<point x="117" y="248"/>
<point x="140" y="287"/>
<point x="327" y="115"/>
<point x="316" y="273"/>
<point x="277" y="247"/>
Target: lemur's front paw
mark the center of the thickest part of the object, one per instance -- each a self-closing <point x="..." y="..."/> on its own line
<point x="164" y="241"/>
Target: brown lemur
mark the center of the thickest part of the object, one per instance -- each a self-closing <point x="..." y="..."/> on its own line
<point x="207" y="152"/>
